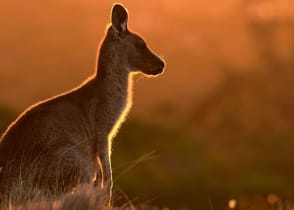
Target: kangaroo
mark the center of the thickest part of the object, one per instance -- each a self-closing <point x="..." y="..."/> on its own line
<point x="66" y="140"/>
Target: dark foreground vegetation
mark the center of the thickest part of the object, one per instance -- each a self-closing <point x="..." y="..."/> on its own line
<point x="174" y="168"/>
<point x="83" y="197"/>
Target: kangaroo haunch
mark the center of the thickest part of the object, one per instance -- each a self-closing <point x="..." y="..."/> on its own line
<point x="66" y="140"/>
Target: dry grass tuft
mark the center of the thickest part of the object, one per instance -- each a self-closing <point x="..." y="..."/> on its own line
<point x="28" y="192"/>
<point x="83" y="197"/>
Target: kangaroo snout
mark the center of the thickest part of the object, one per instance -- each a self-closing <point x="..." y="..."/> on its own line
<point x="151" y="63"/>
<point x="159" y="68"/>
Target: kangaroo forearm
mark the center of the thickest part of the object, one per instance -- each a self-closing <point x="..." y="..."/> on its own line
<point x="103" y="152"/>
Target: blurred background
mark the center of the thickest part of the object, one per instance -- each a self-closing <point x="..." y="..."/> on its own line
<point x="216" y="131"/>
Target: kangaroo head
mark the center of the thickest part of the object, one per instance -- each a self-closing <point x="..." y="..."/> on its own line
<point x="135" y="54"/>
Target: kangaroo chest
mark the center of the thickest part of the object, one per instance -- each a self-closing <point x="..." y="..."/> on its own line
<point x="108" y="111"/>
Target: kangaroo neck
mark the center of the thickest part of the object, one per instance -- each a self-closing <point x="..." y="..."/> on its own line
<point x="113" y="80"/>
<point x="112" y="76"/>
<point x="113" y="96"/>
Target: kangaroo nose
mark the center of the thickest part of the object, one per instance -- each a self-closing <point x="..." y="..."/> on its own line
<point x="161" y="64"/>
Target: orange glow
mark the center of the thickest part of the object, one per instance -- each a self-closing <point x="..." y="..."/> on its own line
<point x="272" y="198"/>
<point x="193" y="37"/>
<point x="222" y="110"/>
<point x="232" y="203"/>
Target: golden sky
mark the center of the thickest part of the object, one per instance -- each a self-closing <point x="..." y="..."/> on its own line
<point x="49" y="46"/>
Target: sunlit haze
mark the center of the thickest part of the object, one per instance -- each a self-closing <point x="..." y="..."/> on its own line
<point x="48" y="47"/>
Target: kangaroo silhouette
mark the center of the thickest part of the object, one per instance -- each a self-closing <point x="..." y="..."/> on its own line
<point x="66" y="140"/>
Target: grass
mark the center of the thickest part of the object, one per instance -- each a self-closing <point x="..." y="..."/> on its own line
<point x="25" y="194"/>
<point x="29" y="190"/>
<point x="182" y="170"/>
<point x="190" y="169"/>
<point x="83" y="197"/>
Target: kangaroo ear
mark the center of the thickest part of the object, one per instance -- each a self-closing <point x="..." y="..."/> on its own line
<point x="119" y="18"/>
